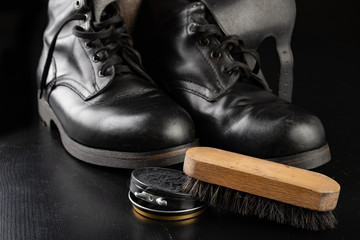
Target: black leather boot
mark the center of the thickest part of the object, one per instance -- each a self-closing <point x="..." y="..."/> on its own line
<point x="254" y="21"/>
<point x="233" y="109"/>
<point x="93" y="88"/>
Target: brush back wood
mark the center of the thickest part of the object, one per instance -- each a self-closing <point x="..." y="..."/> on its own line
<point x="295" y="186"/>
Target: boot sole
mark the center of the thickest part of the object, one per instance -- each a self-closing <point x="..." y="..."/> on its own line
<point x="109" y="158"/>
<point x="307" y="160"/>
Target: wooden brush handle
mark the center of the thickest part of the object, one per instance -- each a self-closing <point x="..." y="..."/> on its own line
<point x="295" y="186"/>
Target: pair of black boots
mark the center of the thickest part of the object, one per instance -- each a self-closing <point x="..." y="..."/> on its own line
<point x="201" y="90"/>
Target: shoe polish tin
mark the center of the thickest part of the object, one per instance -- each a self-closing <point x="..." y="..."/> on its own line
<point x="157" y="193"/>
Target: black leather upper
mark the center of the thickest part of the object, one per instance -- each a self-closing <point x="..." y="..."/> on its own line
<point x="230" y="112"/>
<point x="118" y="111"/>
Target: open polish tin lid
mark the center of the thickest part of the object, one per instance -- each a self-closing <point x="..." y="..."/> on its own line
<point x="156" y="193"/>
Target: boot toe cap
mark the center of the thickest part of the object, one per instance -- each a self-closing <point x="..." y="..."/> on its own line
<point x="140" y="124"/>
<point x="149" y="131"/>
<point x="306" y="134"/>
<point x="275" y="130"/>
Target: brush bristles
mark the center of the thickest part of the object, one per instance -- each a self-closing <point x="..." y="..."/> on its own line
<point x="248" y="204"/>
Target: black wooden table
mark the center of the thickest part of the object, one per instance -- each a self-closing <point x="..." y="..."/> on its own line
<point x="47" y="194"/>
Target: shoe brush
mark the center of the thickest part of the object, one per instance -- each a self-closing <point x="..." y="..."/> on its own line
<point x="252" y="186"/>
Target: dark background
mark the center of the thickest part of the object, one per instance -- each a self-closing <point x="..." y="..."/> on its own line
<point x="47" y="194"/>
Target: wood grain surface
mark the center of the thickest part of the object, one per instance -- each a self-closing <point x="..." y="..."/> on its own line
<point x="276" y="181"/>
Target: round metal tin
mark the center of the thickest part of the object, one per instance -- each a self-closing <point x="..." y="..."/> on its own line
<point x="156" y="193"/>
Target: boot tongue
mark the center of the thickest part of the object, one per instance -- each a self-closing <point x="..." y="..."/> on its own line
<point x="99" y="7"/>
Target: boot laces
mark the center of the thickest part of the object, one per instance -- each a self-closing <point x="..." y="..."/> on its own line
<point x="112" y="43"/>
<point x="233" y="45"/>
<point x="113" y="46"/>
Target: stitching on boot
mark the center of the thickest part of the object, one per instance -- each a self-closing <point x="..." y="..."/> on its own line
<point x="193" y="82"/>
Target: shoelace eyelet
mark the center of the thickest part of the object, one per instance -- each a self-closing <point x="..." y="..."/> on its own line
<point x="204" y="42"/>
<point x="87" y="45"/>
<point x="227" y="72"/>
<point x="101" y="74"/>
<point x="213" y="56"/>
<point x="77" y="4"/>
<point x="192" y="26"/>
<point x="197" y="4"/>
<point x="96" y="58"/>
